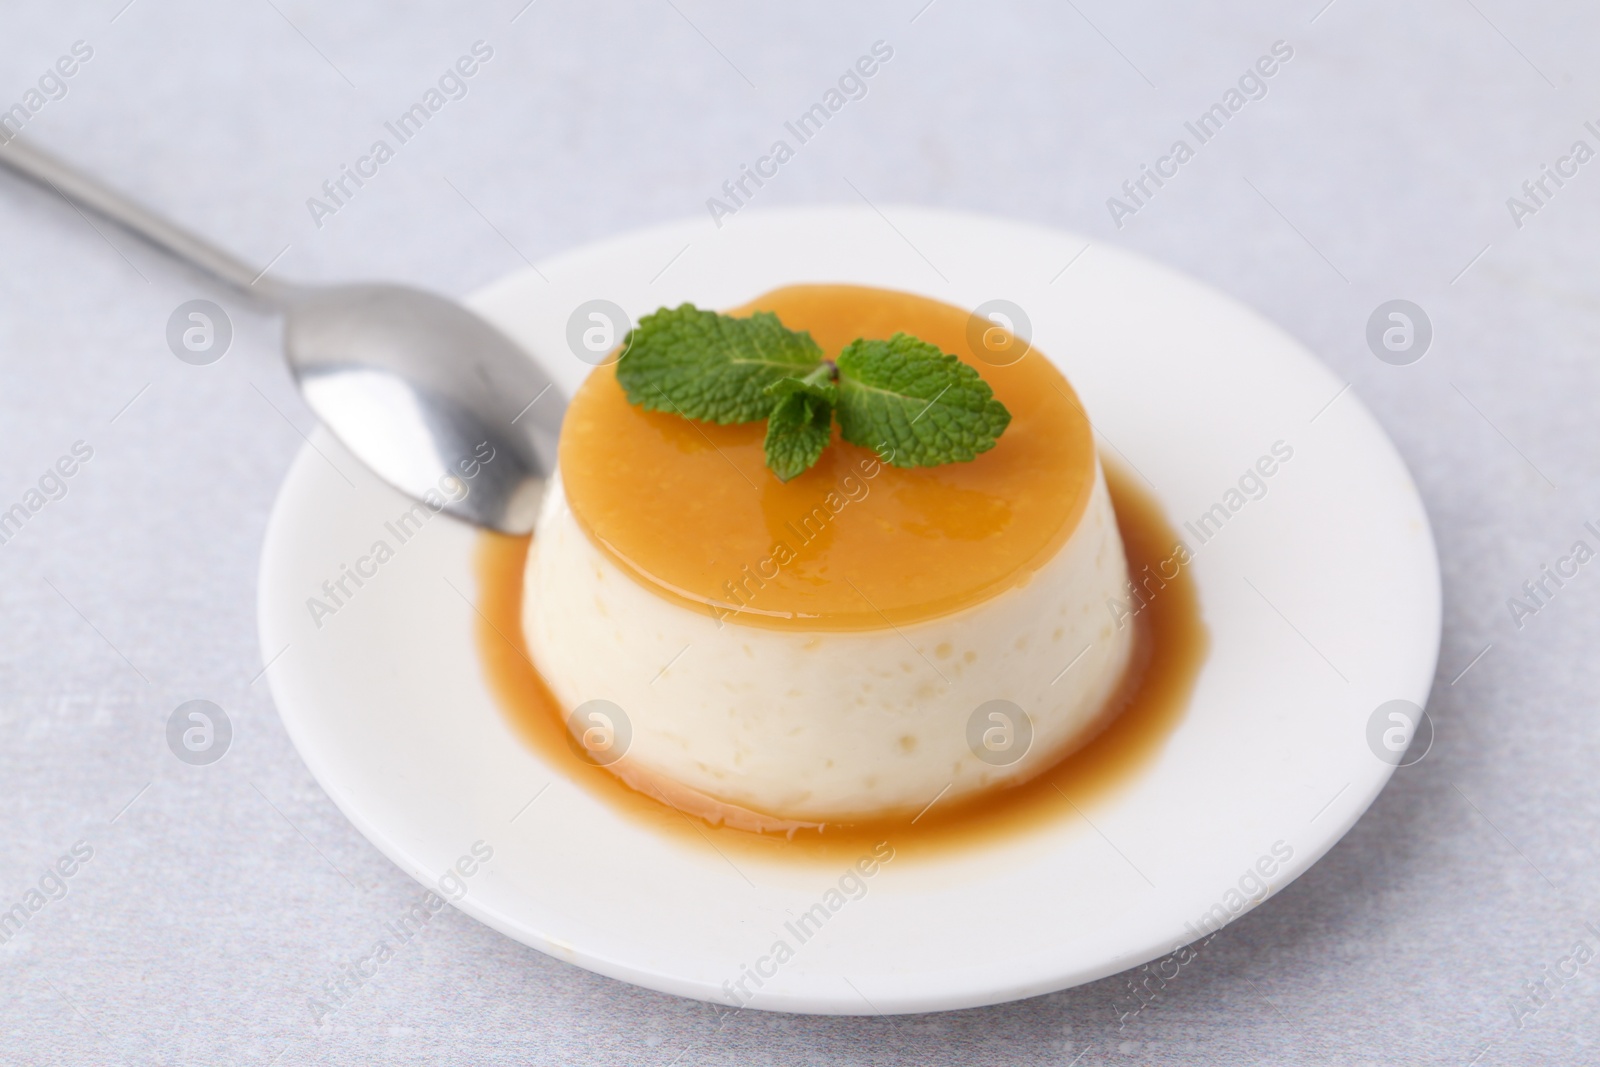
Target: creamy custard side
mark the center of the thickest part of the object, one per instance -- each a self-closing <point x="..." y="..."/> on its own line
<point x="814" y="650"/>
<point x="830" y="725"/>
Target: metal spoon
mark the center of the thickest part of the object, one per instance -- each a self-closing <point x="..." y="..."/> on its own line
<point x="416" y="386"/>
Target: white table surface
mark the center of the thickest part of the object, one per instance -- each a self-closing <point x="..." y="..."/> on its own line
<point x="1378" y="166"/>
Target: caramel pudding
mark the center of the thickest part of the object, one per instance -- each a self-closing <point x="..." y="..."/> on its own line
<point x="819" y="650"/>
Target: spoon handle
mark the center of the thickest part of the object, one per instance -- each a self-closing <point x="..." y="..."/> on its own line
<point x="83" y="191"/>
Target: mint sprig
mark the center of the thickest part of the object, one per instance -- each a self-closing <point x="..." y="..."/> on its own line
<point x="912" y="404"/>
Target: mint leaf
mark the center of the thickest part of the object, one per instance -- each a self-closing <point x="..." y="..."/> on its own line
<point x="797" y="431"/>
<point x="914" y="405"/>
<point x="801" y="422"/>
<point x="711" y="367"/>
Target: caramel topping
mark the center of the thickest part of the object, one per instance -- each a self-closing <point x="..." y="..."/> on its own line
<point x="690" y="509"/>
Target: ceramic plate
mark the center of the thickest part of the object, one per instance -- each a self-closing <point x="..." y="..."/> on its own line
<point x="1320" y="591"/>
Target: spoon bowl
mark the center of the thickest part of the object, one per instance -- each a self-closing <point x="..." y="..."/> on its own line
<point x="441" y="405"/>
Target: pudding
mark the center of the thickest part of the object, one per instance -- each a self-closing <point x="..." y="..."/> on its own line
<point x="858" y="642"/>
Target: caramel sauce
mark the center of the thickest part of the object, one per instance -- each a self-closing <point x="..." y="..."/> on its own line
<point x="684" y="506"/>
<point x="691" y="510"/>
<point x="1136" y="724"/>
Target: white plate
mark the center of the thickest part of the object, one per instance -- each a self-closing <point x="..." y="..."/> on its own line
<point x="1322" y="600"/>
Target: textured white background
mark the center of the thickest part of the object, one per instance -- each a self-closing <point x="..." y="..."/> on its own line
<point x="219" y="902"/>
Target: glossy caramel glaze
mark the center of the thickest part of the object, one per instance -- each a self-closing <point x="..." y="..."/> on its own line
<point x="690" y="509"/>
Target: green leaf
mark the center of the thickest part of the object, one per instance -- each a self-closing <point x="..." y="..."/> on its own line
<point x="797" y="431"/>
<point x="801" y="422"/>
<point x="914" y="405"/>
<point x="711" y="367"/>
